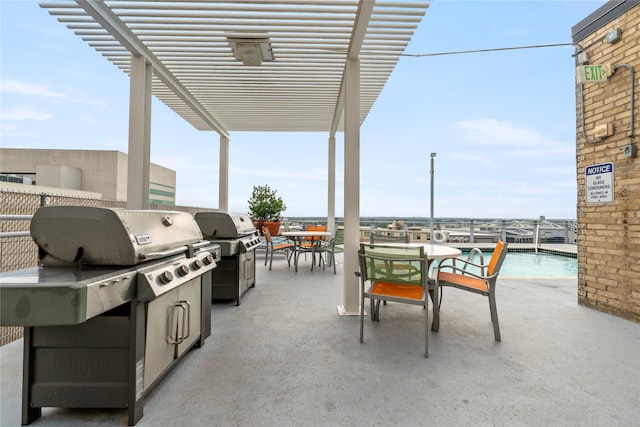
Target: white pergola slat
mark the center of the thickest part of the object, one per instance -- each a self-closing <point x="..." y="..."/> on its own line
<point x="327" y="63"/>
<point x="196" y="74"/>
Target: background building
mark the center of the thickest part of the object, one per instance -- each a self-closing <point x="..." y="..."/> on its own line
<point x="103" y="172"/>
<point x="608" y="170"/>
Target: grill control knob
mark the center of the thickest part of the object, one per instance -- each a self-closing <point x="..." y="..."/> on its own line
<point x="183" y="270"/>
<point x="166" y="277"/>
<point x="208" y="259"/>
<point x="197" y="265"/>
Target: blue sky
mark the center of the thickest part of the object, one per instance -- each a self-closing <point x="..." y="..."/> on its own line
<point x="502" y="123"/>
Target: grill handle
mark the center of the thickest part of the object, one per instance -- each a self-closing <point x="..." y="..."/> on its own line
<point x="174" y="251"/>
<point x="186" y="320"/>
<point x="174" y="322"/>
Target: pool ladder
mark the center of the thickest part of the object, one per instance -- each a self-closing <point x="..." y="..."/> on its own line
<point x="480" y="254"/>
<point x="471" y="253"/>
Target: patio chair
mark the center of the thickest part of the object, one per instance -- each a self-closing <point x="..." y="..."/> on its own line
<point x="287" y="227"/>
<point x="312" y="244"/>
<point x="277" y="245"/>
<point x="459" y="276"/>
<point x="335" y="245"/>
<point x="394" y="273"/>
<point x="389" y="236"/>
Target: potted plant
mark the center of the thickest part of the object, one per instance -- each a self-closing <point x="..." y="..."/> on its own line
<point x="265" y="208"/>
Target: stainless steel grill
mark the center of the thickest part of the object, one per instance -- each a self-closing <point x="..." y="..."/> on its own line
<point x="234" y="232"/>
<point x="238" y="239"/>
<point x="99" y="236"/>
<point x="123" y="289"/>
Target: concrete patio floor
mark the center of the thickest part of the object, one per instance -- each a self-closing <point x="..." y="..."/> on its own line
<point x="285" y="358"/>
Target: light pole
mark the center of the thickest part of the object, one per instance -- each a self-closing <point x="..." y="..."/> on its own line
<point x="433" y="155"/>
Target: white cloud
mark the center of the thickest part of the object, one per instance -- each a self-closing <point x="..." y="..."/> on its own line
<point x="13" y="131"/>
<point x="8" y="128"/>
<point x="542" y="151"/>
<point x="25" y="112"/>
<point x="302" y="174"/>
<point x="470" y="157"/>
<point x="89" y="101"/>
<point x="25" y="88"/>
<point x="487" y="131"/>
<point x="17" y="87"/>
<point x="513" y="140"/>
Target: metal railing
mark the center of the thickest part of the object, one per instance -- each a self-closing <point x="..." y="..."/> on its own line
<point x="5" y="234"/>
<point x="465" y="230"/>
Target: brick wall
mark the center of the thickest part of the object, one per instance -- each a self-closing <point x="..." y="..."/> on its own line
<point x="609" y="233"/>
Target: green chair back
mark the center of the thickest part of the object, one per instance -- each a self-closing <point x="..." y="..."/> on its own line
<point x="402" y="265"/>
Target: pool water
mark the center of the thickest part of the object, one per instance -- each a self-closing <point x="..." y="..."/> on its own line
<point x="530" y="264"/>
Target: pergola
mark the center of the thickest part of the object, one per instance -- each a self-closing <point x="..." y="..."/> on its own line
<point x="254" y="65"/>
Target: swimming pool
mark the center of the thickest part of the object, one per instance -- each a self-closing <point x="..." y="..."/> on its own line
<point x="531" y="264"/>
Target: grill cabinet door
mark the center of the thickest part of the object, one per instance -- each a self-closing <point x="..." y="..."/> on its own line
<point x="167" y="336"/>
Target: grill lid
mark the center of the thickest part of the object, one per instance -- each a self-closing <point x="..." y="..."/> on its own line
<point x="102" y="236"/>
<point x="224" y="225"/>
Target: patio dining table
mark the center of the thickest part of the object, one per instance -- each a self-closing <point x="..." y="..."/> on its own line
<point x="432" y="251"/>
<point x="300" y="236"/>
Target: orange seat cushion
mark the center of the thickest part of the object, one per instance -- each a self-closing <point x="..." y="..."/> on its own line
<point x="282" y="246"/>
<point x="466" y="281"/>
<point x="395" y="290"/>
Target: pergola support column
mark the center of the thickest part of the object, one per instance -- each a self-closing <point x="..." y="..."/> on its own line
<point x="139" y="157"/>
<point x="331" y="193"/>
<point x="223" y="178"/>
<point x="351" y="291"/>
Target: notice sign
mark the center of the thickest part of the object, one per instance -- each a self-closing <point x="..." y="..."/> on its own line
<point x="599" y="182"/>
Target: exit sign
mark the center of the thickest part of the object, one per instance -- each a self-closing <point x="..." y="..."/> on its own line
<point x="593" y="73"/>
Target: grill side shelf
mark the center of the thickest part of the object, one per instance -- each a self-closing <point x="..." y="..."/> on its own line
<point x="45" y="296"/>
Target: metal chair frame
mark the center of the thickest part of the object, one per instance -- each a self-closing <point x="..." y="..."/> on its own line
<point x="272" y="247"/>
<point x="460" y="277"/>
<point x="335" y="245"/>
<point x="397" y="274"/>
